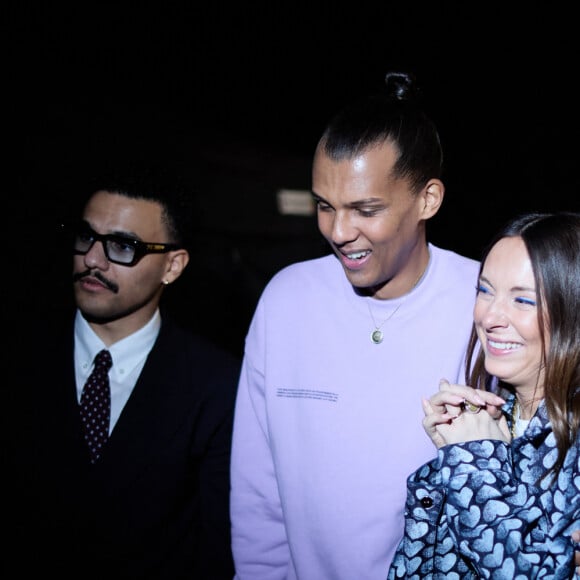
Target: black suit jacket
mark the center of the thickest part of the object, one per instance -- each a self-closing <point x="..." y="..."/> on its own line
<point x="156" y="504"/>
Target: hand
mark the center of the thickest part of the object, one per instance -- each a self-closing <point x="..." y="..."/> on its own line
<point x="576" y="538"/>
<point x="448" y="420"/>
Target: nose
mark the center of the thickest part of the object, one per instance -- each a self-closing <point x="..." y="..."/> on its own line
<point x="491" y="313"/>
<point x="96" y="257"/>
<point x="343" y="228"/>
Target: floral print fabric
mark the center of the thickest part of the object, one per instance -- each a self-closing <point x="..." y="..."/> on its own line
<point x="481" y="510"/>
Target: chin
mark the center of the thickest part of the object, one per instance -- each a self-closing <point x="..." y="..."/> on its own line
<point x="358" y="281"/>
<point x="499" y="371"/>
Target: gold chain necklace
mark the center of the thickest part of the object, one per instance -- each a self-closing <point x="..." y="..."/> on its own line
<point x="514" y="419"/>
<point x="517" y="415"/>
<point x="377" y="334"/>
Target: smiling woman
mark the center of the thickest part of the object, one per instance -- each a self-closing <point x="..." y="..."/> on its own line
<point x="504" y="491"/>
<point x="507" y="325"/>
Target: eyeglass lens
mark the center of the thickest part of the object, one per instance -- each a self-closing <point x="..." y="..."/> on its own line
<point x="117" y="248"/>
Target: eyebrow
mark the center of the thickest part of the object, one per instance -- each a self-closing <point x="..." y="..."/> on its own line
<point x="355" y="204"/>
<point x="116" y="233"/>
<point x="367" y="201"/>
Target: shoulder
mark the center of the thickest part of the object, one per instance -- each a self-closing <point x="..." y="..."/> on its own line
<point x="452" y="257"/>
<point x="454" y="264"/>
<point x="188" y="348"/>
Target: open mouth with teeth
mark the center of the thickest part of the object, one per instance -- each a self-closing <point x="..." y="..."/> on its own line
<point x="354" y="260"/>
<point x="503" y="345"/>
<point x="358" y="255"/>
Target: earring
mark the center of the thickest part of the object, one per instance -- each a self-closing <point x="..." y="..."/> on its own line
<point x="166" y="282"/>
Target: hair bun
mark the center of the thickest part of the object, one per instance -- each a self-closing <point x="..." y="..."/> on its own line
<point x="402" y="86"/>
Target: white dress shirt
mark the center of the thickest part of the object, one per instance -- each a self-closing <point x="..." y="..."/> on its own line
<point x="129" y="356"/>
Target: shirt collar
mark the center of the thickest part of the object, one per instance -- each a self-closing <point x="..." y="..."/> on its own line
<point x="126" y="353"/>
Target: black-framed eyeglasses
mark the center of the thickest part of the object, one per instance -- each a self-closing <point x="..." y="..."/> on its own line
<point x="118" y="249"/>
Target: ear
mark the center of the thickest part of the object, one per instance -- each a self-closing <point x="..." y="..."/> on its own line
<point x="177" y="260"/>
<point x="432" y="198"/>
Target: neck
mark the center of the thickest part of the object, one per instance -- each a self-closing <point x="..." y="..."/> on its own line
<point x="403" y="282"/>
<point x="528" y="404"/>
<point x="114" y="330"/>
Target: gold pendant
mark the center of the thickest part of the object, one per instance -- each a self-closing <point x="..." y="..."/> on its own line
<point x="376" y="336"/>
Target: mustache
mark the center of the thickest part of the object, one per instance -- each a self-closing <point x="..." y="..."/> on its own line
<point x="96" y="274"/>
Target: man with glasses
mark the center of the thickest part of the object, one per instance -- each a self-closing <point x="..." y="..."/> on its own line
<point x="149" y="496"/>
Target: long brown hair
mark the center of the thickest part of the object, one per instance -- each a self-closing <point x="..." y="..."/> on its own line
<point x="553" y="244"/>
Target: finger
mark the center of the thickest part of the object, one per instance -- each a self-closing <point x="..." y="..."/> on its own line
<point x="460" y="391"/>
<point x="446" y="397"/>
<point x="576" y="539"/>
<point x="433" y="433"/>
<point x="494" y="411"/>
<point x="447" y="404"/>
<point x="434" y="416"/>
<point x="427" y="408"/>
<point x="431" y="407"/>
<point x="475" y="396"/>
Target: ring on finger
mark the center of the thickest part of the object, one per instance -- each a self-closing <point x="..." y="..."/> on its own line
<point x="470" y="407"/>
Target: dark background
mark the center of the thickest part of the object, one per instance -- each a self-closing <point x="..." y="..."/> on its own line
<point x="234" y="97"/>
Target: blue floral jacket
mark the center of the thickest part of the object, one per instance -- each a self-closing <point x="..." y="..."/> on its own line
<point x="477" y="511"/>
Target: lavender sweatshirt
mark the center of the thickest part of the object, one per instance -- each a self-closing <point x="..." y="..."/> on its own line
<point x="328" y="425"/>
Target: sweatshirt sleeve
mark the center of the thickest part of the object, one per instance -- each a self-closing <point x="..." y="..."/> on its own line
<point x="259" y="540"/>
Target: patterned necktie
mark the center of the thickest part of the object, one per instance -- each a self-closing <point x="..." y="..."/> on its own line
<point x="96" y="405"/>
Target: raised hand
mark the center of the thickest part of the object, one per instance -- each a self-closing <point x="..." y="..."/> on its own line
<point x="457" y="413"/>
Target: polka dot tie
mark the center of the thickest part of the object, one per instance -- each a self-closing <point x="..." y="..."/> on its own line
<point x="96" y="405"/>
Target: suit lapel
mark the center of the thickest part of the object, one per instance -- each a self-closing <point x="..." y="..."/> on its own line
<point x="156" y="409"/>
